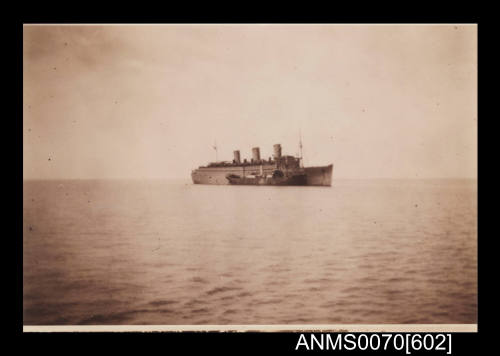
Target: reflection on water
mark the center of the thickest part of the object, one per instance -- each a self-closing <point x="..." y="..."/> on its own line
<point x="156" y="252"/>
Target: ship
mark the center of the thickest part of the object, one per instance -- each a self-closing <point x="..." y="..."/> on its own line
<point x="278" y="170"/>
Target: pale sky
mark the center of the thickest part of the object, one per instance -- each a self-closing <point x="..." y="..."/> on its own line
<point x="148" y="101"/>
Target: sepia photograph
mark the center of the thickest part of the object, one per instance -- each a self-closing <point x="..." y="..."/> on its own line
<point x="250" y="177"/>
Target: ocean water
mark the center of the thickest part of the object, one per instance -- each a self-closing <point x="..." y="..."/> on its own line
<point x="170" y="252"/>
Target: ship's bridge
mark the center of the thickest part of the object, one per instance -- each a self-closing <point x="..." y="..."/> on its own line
<point x="288" y="162"/>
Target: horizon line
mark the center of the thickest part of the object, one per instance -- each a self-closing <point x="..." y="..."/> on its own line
<point x="184" y="178"/>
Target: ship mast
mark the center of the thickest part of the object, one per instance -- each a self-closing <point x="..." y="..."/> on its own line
<point x="215" y="148"/>
<point x="300" y="147"/>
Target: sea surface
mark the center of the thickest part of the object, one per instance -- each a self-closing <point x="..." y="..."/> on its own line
<point x="170" y="252"/>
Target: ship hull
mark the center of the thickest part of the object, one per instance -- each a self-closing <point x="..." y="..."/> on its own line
<point x="299" y="179"/>
<point x="217" y="175"/>
<point x="321" y="176"/>
<point x="318" y="176"/>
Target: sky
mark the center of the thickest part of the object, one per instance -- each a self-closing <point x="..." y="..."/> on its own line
<point x="149" y="101"/>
